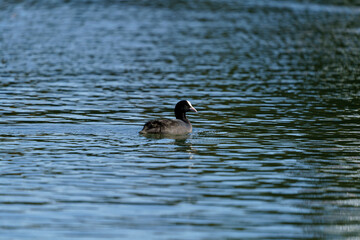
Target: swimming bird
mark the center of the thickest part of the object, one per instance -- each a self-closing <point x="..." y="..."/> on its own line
<point x="180" y="125"/>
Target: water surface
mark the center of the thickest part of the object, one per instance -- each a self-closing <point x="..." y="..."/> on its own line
<point x="275" y="148"/>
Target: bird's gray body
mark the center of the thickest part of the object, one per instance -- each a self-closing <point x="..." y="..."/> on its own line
<point x="167" y="126"/>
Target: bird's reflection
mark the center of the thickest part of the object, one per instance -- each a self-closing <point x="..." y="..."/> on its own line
<point x="181" y="141"/>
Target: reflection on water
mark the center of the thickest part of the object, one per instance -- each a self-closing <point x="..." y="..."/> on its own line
<point x="274" y="153"/>
<point x="182" y="143"/>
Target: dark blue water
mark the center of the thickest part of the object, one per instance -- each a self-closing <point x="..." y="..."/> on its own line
<point x="275" y="149"/>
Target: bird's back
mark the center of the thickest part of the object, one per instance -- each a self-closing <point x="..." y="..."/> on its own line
<point x="167" y="126"/>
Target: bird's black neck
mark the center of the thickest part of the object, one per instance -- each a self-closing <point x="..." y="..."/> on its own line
<point x="181" y="116"/>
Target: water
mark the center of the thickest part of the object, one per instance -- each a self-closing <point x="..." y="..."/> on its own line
<point x="275" y="148"/>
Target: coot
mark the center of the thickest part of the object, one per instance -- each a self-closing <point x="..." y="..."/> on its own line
<point x="180" y="125"/>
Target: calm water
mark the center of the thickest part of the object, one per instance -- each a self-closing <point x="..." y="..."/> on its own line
<point x="275" y="148"/>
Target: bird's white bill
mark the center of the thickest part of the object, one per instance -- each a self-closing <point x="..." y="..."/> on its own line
<point x="191" y="107"/>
